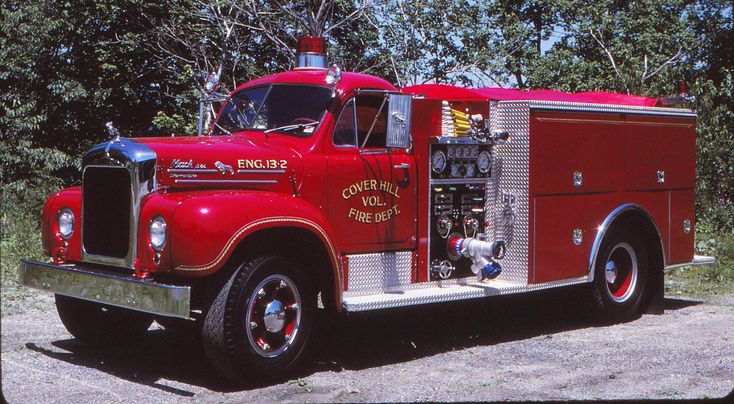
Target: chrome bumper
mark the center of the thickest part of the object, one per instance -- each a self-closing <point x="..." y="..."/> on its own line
<point x="108" y="288"/>
<point x="697" y="260"/>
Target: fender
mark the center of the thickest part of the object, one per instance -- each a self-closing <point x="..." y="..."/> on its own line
<point x="608" y="222"/>
<point x="208" y="225"/>
<point x="50" y="239"/>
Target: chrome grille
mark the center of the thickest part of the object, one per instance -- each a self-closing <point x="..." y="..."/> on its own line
<point x="118" y="174"/>
<point x="107" y="201"/>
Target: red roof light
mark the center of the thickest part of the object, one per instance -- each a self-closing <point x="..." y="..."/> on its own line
<point x="311" y="44"/>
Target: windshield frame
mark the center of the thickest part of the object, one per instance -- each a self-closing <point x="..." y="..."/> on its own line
<point x="217" y="130"/>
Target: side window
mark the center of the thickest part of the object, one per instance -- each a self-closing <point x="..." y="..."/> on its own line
<point x="344" y="131"/>
<point x="371" y="114"/>
<point x="359" y="115"/>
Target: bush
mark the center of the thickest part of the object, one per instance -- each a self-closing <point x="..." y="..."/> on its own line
<point x="20" y="223"/>
<point x="704" y="281"/>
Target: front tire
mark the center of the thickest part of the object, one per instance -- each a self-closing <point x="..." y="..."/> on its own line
<point x="259" y="325"/>
<point x="620" y="277"/>
<point x="97" y="324"/>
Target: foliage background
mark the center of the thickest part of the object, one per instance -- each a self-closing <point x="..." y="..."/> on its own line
<point x="67" y="67"/>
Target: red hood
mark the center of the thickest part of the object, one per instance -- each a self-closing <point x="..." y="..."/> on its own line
<point x="224" y="162"/>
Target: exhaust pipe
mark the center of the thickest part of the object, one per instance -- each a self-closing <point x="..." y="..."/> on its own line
<point x="483" y="255"/>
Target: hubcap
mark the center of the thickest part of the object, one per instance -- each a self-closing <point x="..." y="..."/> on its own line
<point x="621" y="272"/>
<point x="611" y="271"/>
<point x="273" y="315"/>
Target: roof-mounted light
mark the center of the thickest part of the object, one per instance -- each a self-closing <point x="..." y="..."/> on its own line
<point x="311" y="53"/>
<point x="333" y="75"/>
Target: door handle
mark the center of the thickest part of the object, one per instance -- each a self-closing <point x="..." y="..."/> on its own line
<point x="404" y="166"/>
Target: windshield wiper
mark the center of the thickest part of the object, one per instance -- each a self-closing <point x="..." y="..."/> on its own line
<point x="216" y="124"/>
<point x="288" y="128"/>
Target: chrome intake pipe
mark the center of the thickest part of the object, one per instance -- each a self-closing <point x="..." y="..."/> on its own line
<point x="482" y="253"/>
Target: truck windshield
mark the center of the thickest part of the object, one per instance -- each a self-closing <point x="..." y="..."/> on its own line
<point x="285" y="108"/>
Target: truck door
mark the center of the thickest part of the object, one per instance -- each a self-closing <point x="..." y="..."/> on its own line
<point x="372" y="189"/>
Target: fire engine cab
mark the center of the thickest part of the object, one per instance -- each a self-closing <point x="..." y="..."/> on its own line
<point x="317" y="187"/>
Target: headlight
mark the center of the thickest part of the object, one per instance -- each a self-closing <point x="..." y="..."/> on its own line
<point x="65" y="219"/>
<point x="158" y="233"/>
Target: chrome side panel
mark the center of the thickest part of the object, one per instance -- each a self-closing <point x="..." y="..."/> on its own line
<point x="507" y="204"/>
<point x="608" y="221"/>
<point x="388" y="272"/>
<point x="623" y="109"/>
<point x="108" y="288"/>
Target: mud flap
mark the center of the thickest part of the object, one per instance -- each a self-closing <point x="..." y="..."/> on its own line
<point x="655" y="300"/>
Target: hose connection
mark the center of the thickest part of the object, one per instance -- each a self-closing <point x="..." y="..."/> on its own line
<point x="482" y="253"/>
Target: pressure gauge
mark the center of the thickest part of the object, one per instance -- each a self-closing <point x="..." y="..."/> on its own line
<point x="470" y="170"/>
<point x="438" y="162"/>
<point x="466" y="152"/>
<point x="474" y="151"/>
<point x="455" y="170"/>
<point x="452" y="152"/>
<point x="483" y="162"/>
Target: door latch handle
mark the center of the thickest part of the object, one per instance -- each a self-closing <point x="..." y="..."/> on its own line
<point x="404" y="166"/>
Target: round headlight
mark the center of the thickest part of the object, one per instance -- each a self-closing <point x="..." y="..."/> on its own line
<point x="65" y="219"/>
<point x="158" y="233"/>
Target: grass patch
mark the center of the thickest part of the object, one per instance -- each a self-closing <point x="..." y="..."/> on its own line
<point x="708" y="280"/>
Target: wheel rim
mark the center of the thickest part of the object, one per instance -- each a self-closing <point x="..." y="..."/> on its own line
<point x="621" y="272"/>
<point x="273" y="316"/>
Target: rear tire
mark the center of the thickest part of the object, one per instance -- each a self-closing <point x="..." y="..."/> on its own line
<point x="97" y="324"/>
<point x="620" y="277"/>
<point x="259" y="325"/>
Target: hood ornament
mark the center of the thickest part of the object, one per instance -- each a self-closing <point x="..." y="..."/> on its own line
<point x="114" y="138"/>
<point x="113" y="132"/>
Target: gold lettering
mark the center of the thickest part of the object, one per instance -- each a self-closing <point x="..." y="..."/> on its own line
<point x="359" y="216"/>
<point x="387" y="214"/>
<point x="372" y="201"/>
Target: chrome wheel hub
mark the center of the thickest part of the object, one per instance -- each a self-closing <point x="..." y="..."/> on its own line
<point x="273" y="316"/>
<point x="611" y="271"/>
<point x="621" y="272"/>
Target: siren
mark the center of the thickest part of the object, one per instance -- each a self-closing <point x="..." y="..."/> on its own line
<point x="311" y="53"/>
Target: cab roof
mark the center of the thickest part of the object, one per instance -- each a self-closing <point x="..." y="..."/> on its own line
<point x="349" y="81"/>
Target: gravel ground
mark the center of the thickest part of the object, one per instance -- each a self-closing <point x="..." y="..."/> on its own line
<point x="535" y="347"/>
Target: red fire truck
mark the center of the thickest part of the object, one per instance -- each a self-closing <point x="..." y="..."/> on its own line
<point x="315" y="186"/>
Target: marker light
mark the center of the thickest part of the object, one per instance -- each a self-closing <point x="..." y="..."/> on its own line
<point x="333" y="75"/>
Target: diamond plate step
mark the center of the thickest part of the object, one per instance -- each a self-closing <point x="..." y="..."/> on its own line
<point x="434" y="292"/>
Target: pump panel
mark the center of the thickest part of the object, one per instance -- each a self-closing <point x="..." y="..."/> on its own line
<point x="458" y="195"/>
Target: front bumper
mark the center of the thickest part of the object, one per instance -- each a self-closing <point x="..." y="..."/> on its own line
<point x="107" y="287"/>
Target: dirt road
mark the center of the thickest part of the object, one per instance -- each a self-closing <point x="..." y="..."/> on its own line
<point x="536" y="347"/>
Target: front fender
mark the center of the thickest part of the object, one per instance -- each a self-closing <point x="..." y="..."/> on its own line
<point x="208" y="226"/>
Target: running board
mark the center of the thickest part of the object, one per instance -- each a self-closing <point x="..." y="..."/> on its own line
<point x="435" y="292"/>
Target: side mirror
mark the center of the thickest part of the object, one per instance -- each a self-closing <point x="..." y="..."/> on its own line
<point x="398" y="121"/>
<point x="212" y="82"/>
